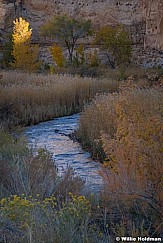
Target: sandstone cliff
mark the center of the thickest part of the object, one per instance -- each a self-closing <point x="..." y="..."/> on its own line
<point x="153" y="16"/>
<point x="143" y="18"/>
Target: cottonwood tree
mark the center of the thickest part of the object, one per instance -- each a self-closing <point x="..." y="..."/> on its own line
<point x="25" y="54"/>
<point x="67" y="31"/>
<point x="116" y="42"/>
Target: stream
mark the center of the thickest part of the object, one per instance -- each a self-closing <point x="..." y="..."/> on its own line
<point x="54" y="135"/>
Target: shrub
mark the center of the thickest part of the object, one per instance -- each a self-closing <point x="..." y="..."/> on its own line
<point x="56" y="52"/>
<point x="135" y="150"/>
<point x="93" y="59"/>
<point x="125" y="130"/>
<point x="72" y="220"/>
<point x="28" y="174"/>
<point x="23" y="173"/>
<point x="37" y="220"/>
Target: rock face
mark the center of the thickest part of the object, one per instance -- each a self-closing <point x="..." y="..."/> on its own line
<point x="143" y="18"/>
<point x="153" y="15"/>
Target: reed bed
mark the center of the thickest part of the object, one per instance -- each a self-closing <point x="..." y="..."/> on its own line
<point x="31" y="98"/>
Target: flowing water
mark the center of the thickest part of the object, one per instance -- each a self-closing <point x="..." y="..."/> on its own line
<point x="54" y="135"/>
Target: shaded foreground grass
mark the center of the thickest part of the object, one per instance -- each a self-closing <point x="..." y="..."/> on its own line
<point x="29" y="98"/>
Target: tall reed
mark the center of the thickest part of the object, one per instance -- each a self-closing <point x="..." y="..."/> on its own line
<point x="29" y="98"/>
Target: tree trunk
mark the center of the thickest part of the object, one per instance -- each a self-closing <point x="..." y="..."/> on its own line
<point x="110" y="61"/>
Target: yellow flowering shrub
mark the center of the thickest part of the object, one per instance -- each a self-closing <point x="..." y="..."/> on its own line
<point x="35" y="215"/>
<point x="20" y="208"/>
<point x="17" y="209"/>
<point x="78" y="206"/>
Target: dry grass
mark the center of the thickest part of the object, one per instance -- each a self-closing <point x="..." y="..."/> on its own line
<point x="97" y="118"/>
<point x="126" y="129"/>
<point x="142" y="77"/>
<point x="29" y="98"/>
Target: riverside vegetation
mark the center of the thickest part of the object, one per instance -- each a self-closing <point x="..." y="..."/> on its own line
<point x="29" y="183"/>
<point x="122" y="127"/>
<point x="125" y="131"/>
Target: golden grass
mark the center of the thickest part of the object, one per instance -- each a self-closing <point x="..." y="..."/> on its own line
<point x="31" y="98"/>
<point x="126" y="128"/>
<point x="97" y="118"/>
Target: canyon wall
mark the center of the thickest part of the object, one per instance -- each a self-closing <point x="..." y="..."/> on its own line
<point x="143" y="18"/>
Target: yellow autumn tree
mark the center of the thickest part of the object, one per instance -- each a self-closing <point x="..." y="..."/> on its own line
<point x="57" y="54"/>
<point x="25" y="54"/>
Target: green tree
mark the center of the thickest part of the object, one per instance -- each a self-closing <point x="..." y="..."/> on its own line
<point x="67" y="31"/>
<point x="116" y="41"/>
<point x="25" y="54"/>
